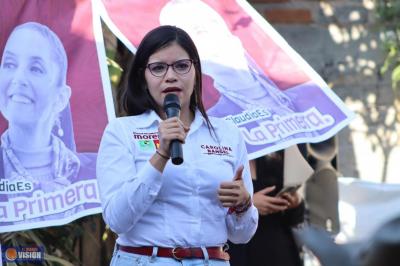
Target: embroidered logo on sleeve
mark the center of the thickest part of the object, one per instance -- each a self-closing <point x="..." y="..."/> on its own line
<point x="216" y="150"/>
<point x="147" y="141"/>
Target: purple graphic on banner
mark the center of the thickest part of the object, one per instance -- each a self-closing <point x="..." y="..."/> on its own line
<point x="252" y="77"/>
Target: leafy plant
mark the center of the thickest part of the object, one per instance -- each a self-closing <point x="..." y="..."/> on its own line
<point x="388" y="14"/>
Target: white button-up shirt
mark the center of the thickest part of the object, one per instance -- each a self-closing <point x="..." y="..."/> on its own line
<point x="179" y="207"/>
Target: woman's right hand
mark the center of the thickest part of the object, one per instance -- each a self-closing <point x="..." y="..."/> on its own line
<point x="267" y="204"/>
<point x="168" y="130"/>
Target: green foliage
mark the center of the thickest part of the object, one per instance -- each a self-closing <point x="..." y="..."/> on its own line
<point x="396" y="77"/>
<point x="114" y="69"/>
<point x="388" y="14"/>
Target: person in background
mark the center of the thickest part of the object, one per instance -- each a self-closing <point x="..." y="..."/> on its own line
<point x="166" y="214"/>
<point x="273" y="243"/>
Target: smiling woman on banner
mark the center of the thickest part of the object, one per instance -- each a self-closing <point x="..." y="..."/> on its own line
<point x="34" y="99"/>
<point x="165" y="213"/>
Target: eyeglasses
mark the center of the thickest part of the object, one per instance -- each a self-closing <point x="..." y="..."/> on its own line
<point x="159" y="69"/>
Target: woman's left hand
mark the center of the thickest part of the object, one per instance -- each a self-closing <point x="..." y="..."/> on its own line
<point x="294" y="199"/>
<point x="233" y="193"/>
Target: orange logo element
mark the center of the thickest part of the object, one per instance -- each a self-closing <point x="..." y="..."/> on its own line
<point x="11" y="254"/>
<point x="157" y="143"/>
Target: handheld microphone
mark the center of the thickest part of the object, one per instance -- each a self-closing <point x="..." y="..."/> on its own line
<point x="172" y="108"/>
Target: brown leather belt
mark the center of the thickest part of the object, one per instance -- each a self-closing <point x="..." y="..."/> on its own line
<point x="178" y="253"/>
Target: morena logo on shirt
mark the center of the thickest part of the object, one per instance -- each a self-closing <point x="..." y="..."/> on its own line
<point x="147" y="141"/>
<point x="145" y="136"/>
<point x="216" y="150"/>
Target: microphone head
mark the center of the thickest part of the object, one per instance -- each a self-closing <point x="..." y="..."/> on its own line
<point x="171" y="101"/>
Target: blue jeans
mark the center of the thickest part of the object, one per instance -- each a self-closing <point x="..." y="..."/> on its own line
<point x="121" y="258"/>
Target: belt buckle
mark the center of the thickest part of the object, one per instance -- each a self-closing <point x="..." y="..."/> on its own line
<point x="174" y="251"/>
<point x="225" y="247"/>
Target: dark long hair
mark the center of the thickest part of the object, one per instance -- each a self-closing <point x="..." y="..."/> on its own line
<point x="134" y="98"/>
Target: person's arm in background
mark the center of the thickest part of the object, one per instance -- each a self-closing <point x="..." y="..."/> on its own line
<point x="294" y="214"/>
<point x="289" y="205"/>
<point x="263" y="201"/>
<point x="296" y="210"/>
<point x="266" y="204"/>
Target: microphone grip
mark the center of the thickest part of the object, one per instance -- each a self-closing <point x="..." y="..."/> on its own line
<point x="176" y="152"/>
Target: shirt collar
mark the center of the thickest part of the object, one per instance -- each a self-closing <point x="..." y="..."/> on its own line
<point x="198" y="121"/>
<point x="147" y="119"/>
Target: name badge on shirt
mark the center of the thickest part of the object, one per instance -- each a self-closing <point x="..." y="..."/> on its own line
<point x="216" y="150"/>
<point x="147" y="141"/>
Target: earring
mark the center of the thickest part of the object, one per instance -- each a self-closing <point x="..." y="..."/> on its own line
<point x="57" y="124"/>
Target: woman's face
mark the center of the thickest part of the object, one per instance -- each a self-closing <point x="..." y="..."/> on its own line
<point x="180" y="84"/>
<point x="28" y="78"/>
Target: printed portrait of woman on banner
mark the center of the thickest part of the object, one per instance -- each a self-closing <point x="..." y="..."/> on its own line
<point x="45" y="178"/>
<point x="251" y="76"/>
<point x="243" y="86"/>
<point x="34" y="99"/>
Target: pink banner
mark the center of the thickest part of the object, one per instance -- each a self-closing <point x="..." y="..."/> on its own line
<point x="252" y="76"/>
<point x="53" y="113"/>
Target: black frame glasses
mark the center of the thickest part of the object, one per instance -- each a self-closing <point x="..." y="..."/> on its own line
<point x="159" y="69"/>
